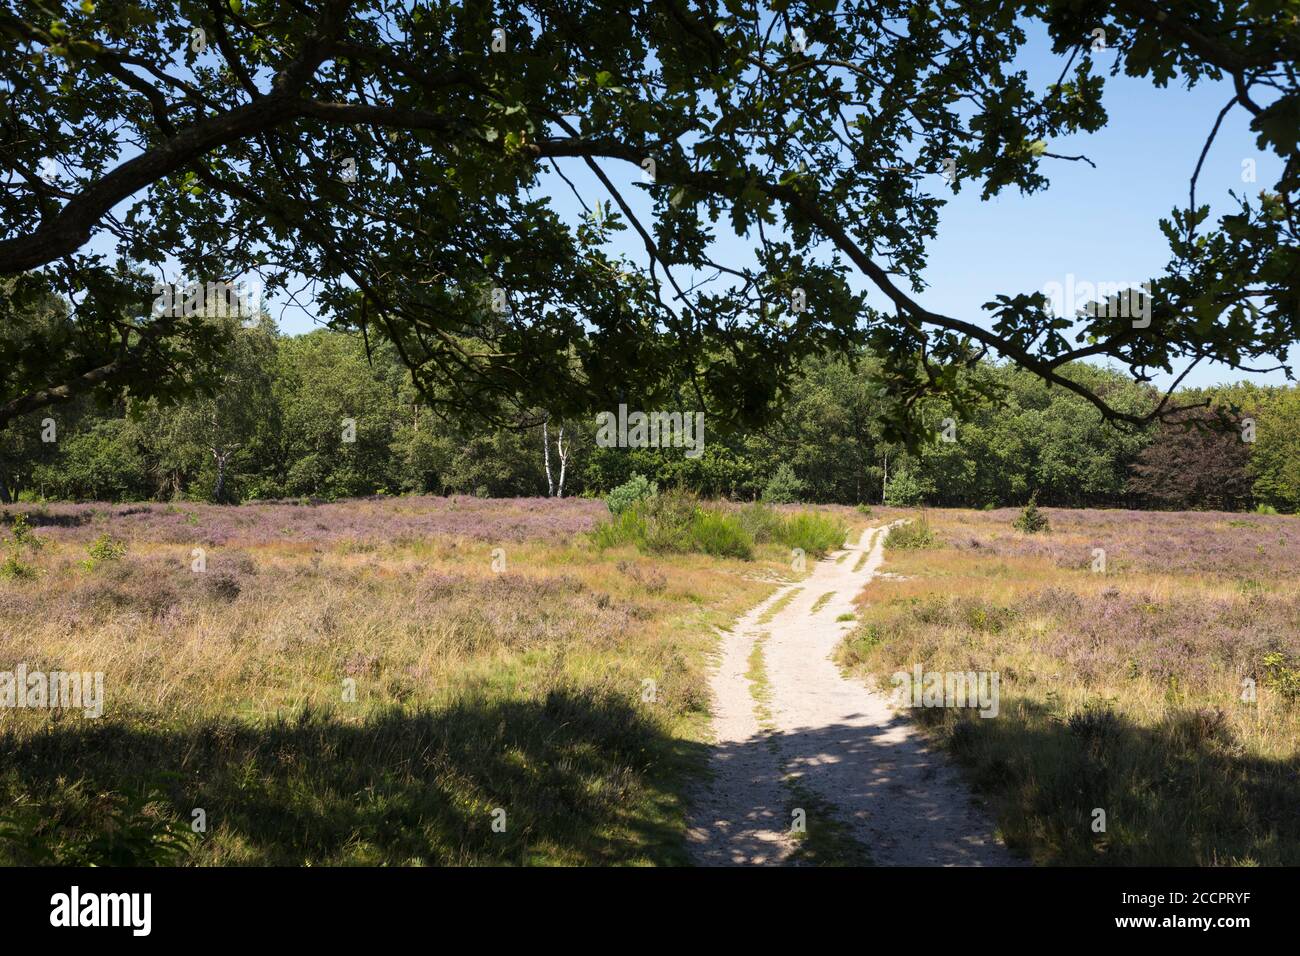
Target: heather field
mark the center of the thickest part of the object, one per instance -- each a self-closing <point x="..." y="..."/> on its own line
<point x="1158" y="682"/>
<point x="362" y="521"/>
<point x="431" y="681"/>
<point x="364" y="682"/>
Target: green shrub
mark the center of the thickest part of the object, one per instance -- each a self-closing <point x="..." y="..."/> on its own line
<point x="104" y="548"/>
<point x="657" y="523"/>
<point x="637" y="488"/>
<point x="816" y="533"/>
<point x="1281" y="675"/>
<point x="668" y="520"/>
<point x="721" y="535"/>
<point x="14" y="568"/>
<point x="23" y="534"/>
<point x="96" y="830"/>
<point x="1031" y="520"/>
<point x="906" y="489"/>
<point x="784" y="487"/>
<point x="813" y="531"/>
<point x="675" y="522"/>
<point x="915" y="534"/>
<point x="764" y="524"/>
<point x="627" y="528"/>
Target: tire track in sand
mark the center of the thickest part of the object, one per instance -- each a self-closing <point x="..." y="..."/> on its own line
<point x="834" y="738"/>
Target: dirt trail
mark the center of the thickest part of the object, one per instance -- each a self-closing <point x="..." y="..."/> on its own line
<point x="837" y="739"/>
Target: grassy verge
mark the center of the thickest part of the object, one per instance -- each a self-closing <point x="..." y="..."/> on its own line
<point x="1149" y="668"/>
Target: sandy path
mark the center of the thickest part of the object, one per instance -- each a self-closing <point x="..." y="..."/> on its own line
<point x="841" y="741"/>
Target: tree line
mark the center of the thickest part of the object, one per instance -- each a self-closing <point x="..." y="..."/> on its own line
<point x="329" y="415"/>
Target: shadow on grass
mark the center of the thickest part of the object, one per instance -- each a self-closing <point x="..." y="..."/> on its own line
<point x="581" y="781"/>
<point x="1182" y="792"/>
<point x="588" y="780"/>
<point x="39" y="518"/>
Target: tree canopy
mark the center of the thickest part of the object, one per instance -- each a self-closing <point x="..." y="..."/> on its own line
<point x="392" y="156"/>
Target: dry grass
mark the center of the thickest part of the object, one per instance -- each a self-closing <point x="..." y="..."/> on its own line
<point x="1120" y="690"/>
<point x="524" y="690"/>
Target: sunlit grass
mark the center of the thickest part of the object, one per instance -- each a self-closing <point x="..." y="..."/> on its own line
<point x="1162" y="647"/>
<point x="356" y="701"/>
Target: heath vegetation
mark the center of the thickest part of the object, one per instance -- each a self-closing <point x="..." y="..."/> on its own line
<point x="1148" y="669"/>
<point x="365" y="682"/>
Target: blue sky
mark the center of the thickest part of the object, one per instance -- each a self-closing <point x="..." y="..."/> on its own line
<point x="1099" y="224"/>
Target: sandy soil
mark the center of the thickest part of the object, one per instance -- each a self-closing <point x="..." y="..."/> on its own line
<point x="866" y="761"/>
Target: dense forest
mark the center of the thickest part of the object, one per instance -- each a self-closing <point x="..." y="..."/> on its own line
<point x="327" y="415"/>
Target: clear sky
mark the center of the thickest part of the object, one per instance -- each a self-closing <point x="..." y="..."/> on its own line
<point x="1099" y="224"/>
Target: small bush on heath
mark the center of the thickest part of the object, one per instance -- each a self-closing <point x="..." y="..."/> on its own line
<point x="104" y="548"/>
<point x="637" y="488"/>
<point x="721" y="535"/>
<point x="914" y="534"/>
<point x="816" y="533"/>
<point x="1031" y="520"/>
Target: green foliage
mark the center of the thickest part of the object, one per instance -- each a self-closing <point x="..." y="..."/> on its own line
<point x="637" y="488"/>
<point x="721" y="535"/>
<point x="629" y="528"/>
<point x="1281" y="675"/>
<point x="15" y="568"/>
<point x="278" y="428"/>
<point x="784" y="487"/>
<point x="814" y="532"/>
<point x="339" y="422"/>
<point x="763" y="523"/>
<point x="108" y="829"/>
<point x="669" y="518"/>
<point x="675" y="523"/>
<point x="1275" y="457"/>
<point x="104" y="548"/>
<point x="24" y="536"/>
<point x="1031" y="520"/>
<point x="906" y="489"/>
<point x="102" y="462"/>
<point x="915" y="533"/>
<point x="23" y="539"/>
<point x="45" y="342"/>
<point x="461" y="204"/>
